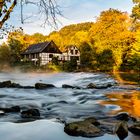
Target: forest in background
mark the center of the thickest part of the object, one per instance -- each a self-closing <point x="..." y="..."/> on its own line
<point x="111" y="43"/>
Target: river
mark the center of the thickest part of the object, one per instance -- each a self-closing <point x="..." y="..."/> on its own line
<point x="59" y="105"/>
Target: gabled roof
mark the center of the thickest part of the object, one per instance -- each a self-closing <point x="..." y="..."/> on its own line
<point x="48" y="47"/>
<point x="68" y="47"/>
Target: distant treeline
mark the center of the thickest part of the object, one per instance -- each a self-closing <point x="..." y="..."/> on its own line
<point x="111" y="43"/>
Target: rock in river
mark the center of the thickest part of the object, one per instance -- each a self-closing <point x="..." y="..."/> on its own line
<point x="92" y="86"/>
<point x="43" y="86"/>
<point x="135" y="128"/>
<point x="9" y="84"/>
<point x="121" y="130"/>
<point x="122" y="117"/>
<point x="5" y="84"/>
<point x="30" y="113"/>
<point x="69" y="86"/>
<point x="84" y="128"/>
<point x="12" y="109"/>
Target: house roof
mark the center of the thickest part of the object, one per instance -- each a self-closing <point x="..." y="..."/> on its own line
<point x="48" y="47"/>
<point x="68" y="47"/>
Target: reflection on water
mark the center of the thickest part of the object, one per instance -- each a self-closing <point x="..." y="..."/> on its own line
<point x="128" y="102"/>
<point x="128" y="78"/>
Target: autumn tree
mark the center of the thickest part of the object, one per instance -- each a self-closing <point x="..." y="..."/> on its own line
<point x="136" y="10"/>
<point x="111" y="31"/>
<point x="132" y="59"/>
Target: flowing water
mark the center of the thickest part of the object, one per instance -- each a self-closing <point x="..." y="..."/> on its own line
<point x="59" y="105"/>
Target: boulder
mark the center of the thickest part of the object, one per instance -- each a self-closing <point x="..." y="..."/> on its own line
<point x="28" y="87"/>
<point x="121" y="129"/>
<point x="94" y="86"/>
<point x="9" y="84"/>
<point x="135" y="128"/>
<point x="43" y="86"/>
<point x="15" y="109"/>
<point x="12" y="109"/>
<point x="67" y="86"/>
<point x="5" y="84"/>
<point x="15" y="85"/>
<point x="122" y="117"/>
<point x="30" y="113"/>
<point x="92" y="120"/>
<point x="91" y="85"/>
<point x="83" y="128"/>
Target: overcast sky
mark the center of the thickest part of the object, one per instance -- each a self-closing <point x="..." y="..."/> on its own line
<point x="74" y="11"/>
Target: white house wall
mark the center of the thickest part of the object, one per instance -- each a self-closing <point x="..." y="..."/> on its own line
<point x="67" y="55"/>
<point x="45" y="59"/>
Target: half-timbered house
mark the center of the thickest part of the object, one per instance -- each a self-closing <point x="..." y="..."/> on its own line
<point x="43" y="53"/>
<point x="71" y="52"/>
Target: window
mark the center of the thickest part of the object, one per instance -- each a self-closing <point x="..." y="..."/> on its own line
<point x="50" y="55"/>
<point x="76" y="51"/>
<point x="71" y="51"/>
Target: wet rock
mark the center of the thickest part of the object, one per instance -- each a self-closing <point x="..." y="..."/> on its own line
<point x="121" y="130"/>
<point x="43" y="86"/>
<point x="15" y="109"/>
<point x="30" y="113"/>
<point x="69" y="86"/>
<point x="122" y="117"/>
<point x="94" y="86"/>
<point x="135" y="128"/>
<point x="83" y="128"/>
<point x="9" y="84"/>
<point x="5" y="84"/>
<point x="15" y="85"/>
<point x="133" y="119"/>
<point x="12" y="109"/>
<point x="107" y="124"/>
<point x="91" y="85"/>
<point x="27" y="87"/>
<point x="92" y="120"/>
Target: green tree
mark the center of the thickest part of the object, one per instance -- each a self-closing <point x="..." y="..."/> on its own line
<point x="70" y="65"/>
<point x="105" y="60"/>
<point x="86" y="54"/>
<point x="15" y="49"/>
<point x="5" y="54"/>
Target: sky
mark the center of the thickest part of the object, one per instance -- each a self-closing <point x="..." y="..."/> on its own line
<point x="74" y="11"/>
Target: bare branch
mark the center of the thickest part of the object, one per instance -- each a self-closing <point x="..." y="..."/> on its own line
<point x="7" y="15"/>
<point x="48" y="9"/>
